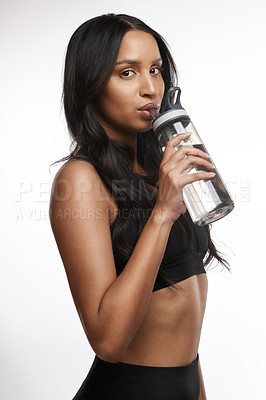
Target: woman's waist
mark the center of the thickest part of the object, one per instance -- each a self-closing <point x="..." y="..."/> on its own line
<point x="164" y="353"/>
<point x="170" y="331"/>
<point x="173" y="345"/>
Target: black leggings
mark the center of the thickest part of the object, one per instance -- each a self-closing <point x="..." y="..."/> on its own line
<point x="121" y="381"/>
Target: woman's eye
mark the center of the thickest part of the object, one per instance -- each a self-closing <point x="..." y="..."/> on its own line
<point x="155" y="71"/>
<point x="127" y="73"/>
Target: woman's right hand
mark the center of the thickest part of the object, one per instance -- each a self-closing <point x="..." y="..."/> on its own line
<point x="170" y="204"/>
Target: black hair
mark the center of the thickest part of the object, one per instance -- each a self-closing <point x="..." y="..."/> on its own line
<point x="90" y="59"/>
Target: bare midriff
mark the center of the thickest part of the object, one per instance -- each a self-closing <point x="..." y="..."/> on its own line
<point x="170" y="331"/>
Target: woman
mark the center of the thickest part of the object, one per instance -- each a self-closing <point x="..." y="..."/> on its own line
<point x="133" y="258"/>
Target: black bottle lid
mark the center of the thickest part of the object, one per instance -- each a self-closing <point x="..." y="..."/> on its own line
<point x="174" y="112"/>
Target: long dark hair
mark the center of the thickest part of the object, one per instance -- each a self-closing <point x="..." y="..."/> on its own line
<point x="90" y="59"/>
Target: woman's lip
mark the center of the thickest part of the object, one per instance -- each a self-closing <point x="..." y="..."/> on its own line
<point x="146" y="114"/>
<point x="149" y="106"/>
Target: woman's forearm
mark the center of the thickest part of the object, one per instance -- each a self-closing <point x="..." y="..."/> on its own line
<point x="124" y="304"/>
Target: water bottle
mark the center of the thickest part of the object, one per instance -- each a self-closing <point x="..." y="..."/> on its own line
<point x="207" y="200"/>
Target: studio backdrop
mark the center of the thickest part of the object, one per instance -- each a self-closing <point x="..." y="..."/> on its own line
<point x="219" y="49"/>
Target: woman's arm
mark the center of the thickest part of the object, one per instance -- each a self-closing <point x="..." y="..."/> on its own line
<point x="202" y="387"/>
<point x="112" y="308"/>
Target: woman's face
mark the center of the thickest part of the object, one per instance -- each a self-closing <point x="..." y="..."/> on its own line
<point x="135" y="86"/>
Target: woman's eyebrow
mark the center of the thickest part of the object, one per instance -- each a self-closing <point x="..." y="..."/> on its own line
<point x="136" y="62"/>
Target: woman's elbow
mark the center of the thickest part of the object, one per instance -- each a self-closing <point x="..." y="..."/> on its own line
<point x="108" y="352"/>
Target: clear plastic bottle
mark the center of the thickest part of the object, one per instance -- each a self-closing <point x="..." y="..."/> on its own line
<point x="206" y="200"/>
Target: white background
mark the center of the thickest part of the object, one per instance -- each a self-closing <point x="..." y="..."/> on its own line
<point x="219" y="48"/>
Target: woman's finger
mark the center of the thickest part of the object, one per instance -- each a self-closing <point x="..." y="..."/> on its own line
<point x="191" y="162"/>
<point x="184" y="152"/>
<point x="171" y="145"/>
<point x="184" y="180"/>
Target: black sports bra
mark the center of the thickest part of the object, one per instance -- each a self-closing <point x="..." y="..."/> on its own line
<point x="177" y="261"/>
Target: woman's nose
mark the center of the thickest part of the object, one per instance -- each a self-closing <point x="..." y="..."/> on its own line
<point x="148" y="87"/>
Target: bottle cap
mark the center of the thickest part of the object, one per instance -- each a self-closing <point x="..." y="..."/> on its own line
<point x="174" y="112"/>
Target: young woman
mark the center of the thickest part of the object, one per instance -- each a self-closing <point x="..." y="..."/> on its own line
<point x="133" y="258"/>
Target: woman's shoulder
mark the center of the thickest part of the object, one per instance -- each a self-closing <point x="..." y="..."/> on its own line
<point x="77" y="168"/>
<point x="79" y="184"/>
